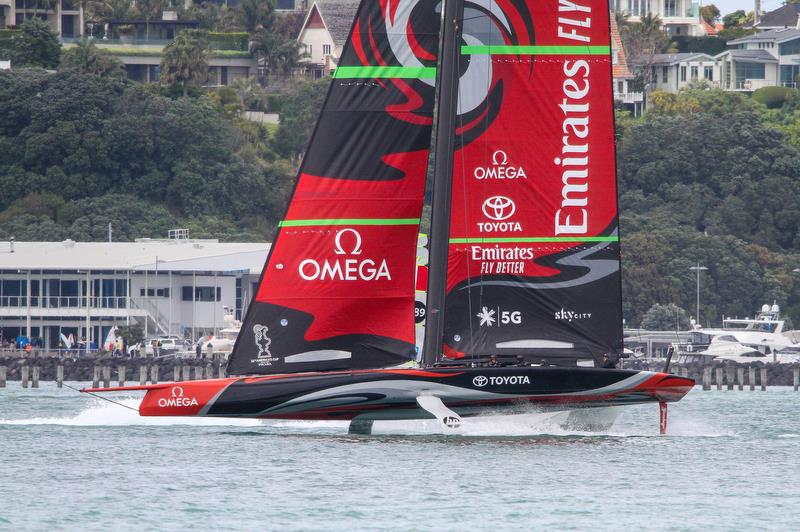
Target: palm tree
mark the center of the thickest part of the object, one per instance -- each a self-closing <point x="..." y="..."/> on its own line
<point x="87" y="58"/>
<point x="185" y="59"/>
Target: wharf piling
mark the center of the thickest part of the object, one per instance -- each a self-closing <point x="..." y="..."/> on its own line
<point x="121" y="375"/>
<point x="795" y="377"/>
<point x="210" y="371"/>
<point x="60" y="375"/>
<point x="106" y="376"/>
<point x="3" y="377"/>
<point x="153" y="374"/>
<point x="763" y="379"/>
<point x="24" y="375"/>
<point x="707" y="378"/>
<point x="740" y="377"/>
<point x="729" y="377"/>
<point x="718" y="372"/>
<point x="752" y="375"/>
<point x="96" y="377"/>
<point x="186" y="373"/>
<point x="142" y="375"/>
<point x="35" y="376"/>
<point x="176" y="373"/>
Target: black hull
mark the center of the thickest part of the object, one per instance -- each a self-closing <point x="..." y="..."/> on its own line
<point x="392" y="394"/>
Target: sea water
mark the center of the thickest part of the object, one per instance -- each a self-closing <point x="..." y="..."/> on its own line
<point x="69" y="461"/>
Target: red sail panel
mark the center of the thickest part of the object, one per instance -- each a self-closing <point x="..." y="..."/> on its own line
<point x="338" y="288"/>
<point x="533" y="266"/>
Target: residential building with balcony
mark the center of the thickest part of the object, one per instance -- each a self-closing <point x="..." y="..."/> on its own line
<point x="679" y="17"/>
<point x="763" y="59"/>
<point x="672" y="72"/>
<point x="621" y="74"/>
<point x="64" y="16"/>
<point x="176" y="286"/>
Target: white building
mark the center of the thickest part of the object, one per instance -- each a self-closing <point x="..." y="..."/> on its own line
<point x="763" y="59"/>
<point x="679" y="17"/>
<point x="323" y="34"/>
<point x="672" y="72"/>
<point x="175" y="286"/>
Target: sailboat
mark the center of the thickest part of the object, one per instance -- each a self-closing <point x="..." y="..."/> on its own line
<point x="512" y="101"/>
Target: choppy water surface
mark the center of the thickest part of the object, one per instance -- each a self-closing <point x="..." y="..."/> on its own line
<point x="69" y="461"/>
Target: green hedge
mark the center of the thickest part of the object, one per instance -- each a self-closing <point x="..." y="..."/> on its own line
<point x="773" y="97"/>
<point x="229" y="41"/>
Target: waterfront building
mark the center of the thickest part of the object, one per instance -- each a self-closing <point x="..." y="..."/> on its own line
<point x="622" y="76"/>
<point x="786" y="16"/>
<point x="766" y="59"/>
<point x="678" y="17"/>
<point x="175" y="286"/>
<point x="64" y="16"/>
<point x="323" y="33"/>
<point x="672" y="72"/>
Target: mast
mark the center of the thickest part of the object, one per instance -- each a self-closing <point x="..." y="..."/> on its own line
<point x="447" y="101"/>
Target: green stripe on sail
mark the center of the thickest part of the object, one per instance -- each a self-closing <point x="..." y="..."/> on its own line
<point x="501" y="240"/>
<point x="368" y="72"/>
<point x="534" y="50"/>
<point x="349" y="221"/>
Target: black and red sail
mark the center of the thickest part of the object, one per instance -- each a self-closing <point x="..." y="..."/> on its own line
<point x="533" y="266"/>
<point x="338" y="287"/>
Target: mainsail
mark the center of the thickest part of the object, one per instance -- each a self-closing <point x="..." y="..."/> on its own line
<point x="533" y="264"/>
<point x="337" y="290"/>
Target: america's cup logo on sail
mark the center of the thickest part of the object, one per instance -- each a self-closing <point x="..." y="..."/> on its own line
<point x="262" y="340"/>
<point x="348" y="264"/>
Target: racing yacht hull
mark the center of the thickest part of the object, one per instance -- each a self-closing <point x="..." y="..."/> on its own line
<point x="395" y="393"/>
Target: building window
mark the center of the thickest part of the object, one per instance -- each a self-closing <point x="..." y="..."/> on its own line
<point x="326" y="49"/>
<point x="790" y="48"/>
<point x="708" y="73"/>
<point x="664" y="74"/>
<point x="745" y="71"/>
<point x="683" y="73"/>
<point x="670" y="8"/>
<point x="695" y="72"/>
<point x="201" y="293"/>
<point x="789" y="75"/>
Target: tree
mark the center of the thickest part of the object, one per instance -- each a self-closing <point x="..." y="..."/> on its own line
<point x="87" y="58"/>
<point x="149" y="9"/>
<point x="256" y="14"/>
<point x="668" y="317"/>
<point x="642" y="41"/>
<point x="737" y="19"/>
<point x="36" y="45"/>
<point x="275" y="51"/>
<point x="185" y="59"/>
<point x="710" y="14"/>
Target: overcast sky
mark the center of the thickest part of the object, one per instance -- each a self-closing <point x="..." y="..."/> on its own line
<point x="726" y="6"/>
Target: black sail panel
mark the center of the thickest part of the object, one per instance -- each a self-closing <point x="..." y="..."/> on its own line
<point x="337" y="291"/>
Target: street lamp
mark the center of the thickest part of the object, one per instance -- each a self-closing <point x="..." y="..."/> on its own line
<point x="698" y="269"/>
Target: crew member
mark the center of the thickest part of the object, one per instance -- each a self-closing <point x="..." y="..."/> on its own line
<point x="607" y="362"/>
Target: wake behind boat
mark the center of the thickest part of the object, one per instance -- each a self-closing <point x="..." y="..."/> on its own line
<point x="523" y="246"/>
